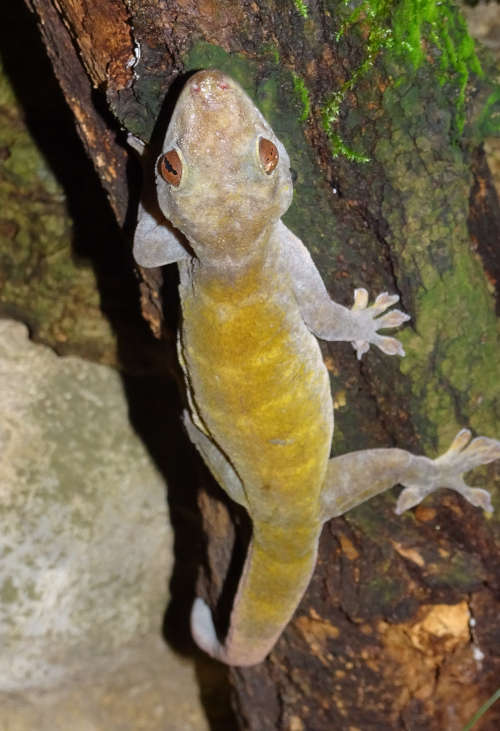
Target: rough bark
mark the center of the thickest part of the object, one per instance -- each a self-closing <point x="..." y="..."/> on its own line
<point x="399" y="627"/>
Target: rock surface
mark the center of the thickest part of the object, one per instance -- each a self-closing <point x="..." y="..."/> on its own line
<point x="85" y="554"/>
<point x="152" y="690"/>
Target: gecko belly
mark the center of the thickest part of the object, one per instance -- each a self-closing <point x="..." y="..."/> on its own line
<point x="262" y="391"/>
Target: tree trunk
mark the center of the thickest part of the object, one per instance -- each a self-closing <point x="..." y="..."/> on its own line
<point x="382" y="110"/>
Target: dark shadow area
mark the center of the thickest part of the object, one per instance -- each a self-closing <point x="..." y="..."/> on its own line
<point x="150" y="372"/>
<point x="484" y="219"/>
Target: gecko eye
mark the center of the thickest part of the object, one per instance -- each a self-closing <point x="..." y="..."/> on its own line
<point x="268" y="155"/>
<point x="170" y="167"/>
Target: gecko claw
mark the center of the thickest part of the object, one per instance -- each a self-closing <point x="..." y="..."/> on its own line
<point x="394" y="318"/>
<point x="360" y="299"/>
<point x="361" y="347"/>
<point x="410" y="497"/>
<point x="383" y="302"/>
<point x="460" y="441"/>
<point x="390" y="346"/>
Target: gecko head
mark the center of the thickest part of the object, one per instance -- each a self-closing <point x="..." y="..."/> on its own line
<point x="223" y="177"/>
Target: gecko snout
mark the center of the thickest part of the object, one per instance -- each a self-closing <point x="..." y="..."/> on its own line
<point x="208" y="85"/>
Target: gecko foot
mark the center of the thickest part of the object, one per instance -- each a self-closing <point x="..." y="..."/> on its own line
<point x="462" y="456"/>
<point x="371" y="322"/>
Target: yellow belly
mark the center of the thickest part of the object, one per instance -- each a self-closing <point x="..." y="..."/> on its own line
<point x="262" y="390"/>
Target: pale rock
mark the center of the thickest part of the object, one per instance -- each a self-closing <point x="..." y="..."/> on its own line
<point x="85" y="544"/>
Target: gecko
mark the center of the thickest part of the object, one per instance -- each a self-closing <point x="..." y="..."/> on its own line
<point x="260" y="409"/>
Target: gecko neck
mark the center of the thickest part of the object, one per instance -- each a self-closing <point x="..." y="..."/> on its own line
<point x="234" y="260"/>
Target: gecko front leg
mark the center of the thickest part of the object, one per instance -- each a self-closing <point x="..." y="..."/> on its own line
<point x="327" y="319"/>
<point x="355" y="477"/>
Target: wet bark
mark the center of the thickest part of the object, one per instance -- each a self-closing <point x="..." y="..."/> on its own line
<point x="399" y="626"/>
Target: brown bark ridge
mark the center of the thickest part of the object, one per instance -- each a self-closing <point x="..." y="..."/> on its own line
<point x="383" y="118"/>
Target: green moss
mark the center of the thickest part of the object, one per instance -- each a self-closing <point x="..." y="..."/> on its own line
<point x="329" y="116"/>
<point x="301" y="7"/>
<point x="461" y="571"/>
<point x="416" y="22"/>
<point x="443" y="26"/>
<point x="140" y="118"/>
<point x="302" y="93"/>
<point x="453" y="362"/>
<point x="207" y="55"/>
<point x="451" y="358"/>
<point x="411" y="32"/>
<point x="488" y="123"/>
<point x="375" y="14"/>
<point x="383" y="589"/>
<point x="268" y="49"/>
<point x="452" y="342"/>
<point x="41" y="281"/>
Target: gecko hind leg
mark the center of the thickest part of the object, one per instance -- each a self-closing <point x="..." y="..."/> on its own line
<point x="353" y="478"/>
<point x="216" y="461"/>
<point x="201" y="622"/>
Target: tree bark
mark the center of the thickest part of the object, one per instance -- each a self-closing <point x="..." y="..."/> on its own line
<point x="383" y="118"/>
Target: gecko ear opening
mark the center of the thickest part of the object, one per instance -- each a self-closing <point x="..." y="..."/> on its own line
<point x="268" y="155"/>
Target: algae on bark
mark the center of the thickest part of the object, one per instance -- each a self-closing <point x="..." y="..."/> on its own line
<point x="42" y="280"/>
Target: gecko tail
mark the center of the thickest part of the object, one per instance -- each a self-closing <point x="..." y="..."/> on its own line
<point x="203" y="630"/>
<point x="259" y="615"/>
<point x="230" y="653"/>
